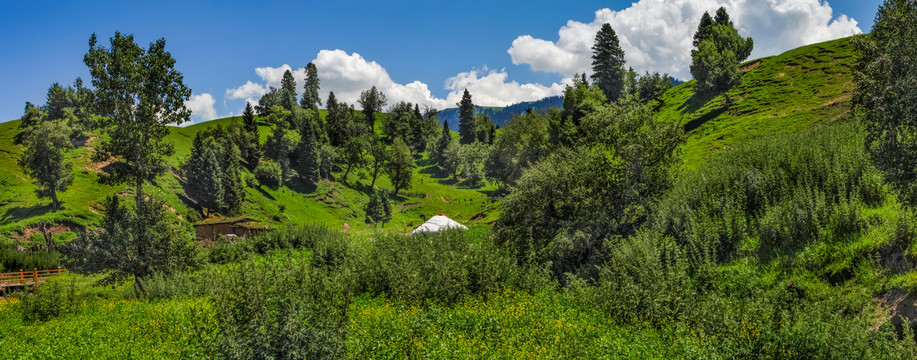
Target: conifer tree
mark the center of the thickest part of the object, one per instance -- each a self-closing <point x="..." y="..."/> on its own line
<point x="466" y="118"/>
<point x="252" y="147"/>
<point x="608" y="63"/>
<point x="204" y="173"/>
<point x="716" y="58"/>
<point x="310" y="98"/>
<point x="378" y="210"/>
<point x="288" y="91"/>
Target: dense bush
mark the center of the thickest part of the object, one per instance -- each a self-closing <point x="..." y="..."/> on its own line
<point x="47" y="302"/>
<point x="14" y="260"/>
<point x="269" y="174"/>
<point x="785" y="191"/>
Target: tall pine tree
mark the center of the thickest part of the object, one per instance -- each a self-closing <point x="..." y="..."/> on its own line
<point x="608" y="63"/>
<point x="288" y="91"/>
<point x="466" y="118"/>
<point x="310" y="99"/>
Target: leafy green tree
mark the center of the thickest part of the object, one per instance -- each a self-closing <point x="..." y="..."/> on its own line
<point x="32" y="116"/>
<point x="400" y="165"/>
<point x="466" y="119"/>
<point x="138" y="93"/>
<point x="43" y="159"/>
<point x="471" y="162"/>
<point x="452" y="158"/>
<point x="269" y="174"/>
<point x="372" y="101"/>
<point x="567" y="205"/>
<point x="378" y="155"/>
<point x="608" y="63"/>
<point x="525" y="140"/>
<point x="280" y="146"/>
<point x="715" y="61"/>
<point x="310" y="98"/>
<point x="132" y="243"/>
<point x="378" y="209"/>
<point x="288" y="91"/>
<point x="885" y="73"/>
<point x="328" y="158"/>
<point x="580" y="99"/>
<point x="399" y="121"/>
<point x="418" y="132"/>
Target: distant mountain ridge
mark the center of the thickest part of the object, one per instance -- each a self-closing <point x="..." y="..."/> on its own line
<point x="500" y="115"/>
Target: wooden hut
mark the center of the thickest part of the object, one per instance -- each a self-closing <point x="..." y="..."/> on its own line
<point x="210" y="229"/>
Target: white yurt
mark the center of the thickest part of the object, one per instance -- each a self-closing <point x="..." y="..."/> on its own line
<point x="438" y="223"/>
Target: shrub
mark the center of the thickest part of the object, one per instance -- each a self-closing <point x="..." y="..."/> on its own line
<point x="269" y="174"/>
<point x="48" y="302"/>
<point x="14" y="260"/>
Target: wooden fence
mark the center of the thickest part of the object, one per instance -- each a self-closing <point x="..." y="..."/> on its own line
<point x="23" y="278"/>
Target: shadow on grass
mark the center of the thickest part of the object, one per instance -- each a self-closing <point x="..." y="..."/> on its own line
<point x="265" y="193"/>
<point x="696" y="123"/>
<point x="19" y="213"/>
<point x="302" y="186"/>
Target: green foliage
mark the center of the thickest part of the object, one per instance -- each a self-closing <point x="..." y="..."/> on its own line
<point x="204" y="174"/>
<point x="308" y="150"/>
<point x="132" y="243"/>
<point x="280" y="146"/>
<point x="719" y="50"/>
<point x="400" y="120"/>
<point x="484" y="129"/>
<point x="372" y="101"/>
<point x="375" y="148"/>
<point x="522" y="142"/>
<point x="32" y="116"/>
<point x="269" y="174"/>
<point x="885" y="72"/>
<point x="400" y="166"/>
<point x="471" y="162"/>
<point x="268" y="101"/>
<point x="48" y="302"/>
<point x="608" y="63"/>
<point x="451" y="160"/>
<point x="651" y="87"/>
<point x="43" y="159"/>
<point x="378" y="209"/>
<point x="138" y="93"/>
<point x="580" y="99"/>
<point x="466" y="118"/>
<point x="565" y="207"/>
<point x="783" y="191"/>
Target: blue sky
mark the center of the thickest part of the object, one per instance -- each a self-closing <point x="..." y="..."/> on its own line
<point x="420" y="51"/>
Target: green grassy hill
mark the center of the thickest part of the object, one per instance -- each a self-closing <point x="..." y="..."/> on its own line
<point x="338" y="205"/>
<point x="779" y="94"/>
<point x="786" y="93"/>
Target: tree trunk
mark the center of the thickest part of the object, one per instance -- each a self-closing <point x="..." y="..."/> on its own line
<point x="376" y="167"/>
<point x="349" y="166"/>
<point x="55" y="204"/>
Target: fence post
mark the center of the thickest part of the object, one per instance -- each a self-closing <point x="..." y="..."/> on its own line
<point x="21" y="275"/>
<point x="58" y="269"/>
<point x="35" y="274"/>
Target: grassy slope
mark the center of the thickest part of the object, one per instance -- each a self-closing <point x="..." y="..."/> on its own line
<point x="786" y="93"/>
<point x="330" y="203"/>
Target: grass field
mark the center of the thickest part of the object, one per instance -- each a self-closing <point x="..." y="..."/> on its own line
<point x="787" y="93"/>
<point x="331" y="203"/>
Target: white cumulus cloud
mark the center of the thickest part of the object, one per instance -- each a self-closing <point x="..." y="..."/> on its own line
<point x="656" y="35"/>
<point x="201" y="106"/>
<point x="348" y="74"/>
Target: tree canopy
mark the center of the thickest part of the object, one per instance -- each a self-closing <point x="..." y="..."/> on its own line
<point x="718" y="52"/>
<point x="608" y="63"/>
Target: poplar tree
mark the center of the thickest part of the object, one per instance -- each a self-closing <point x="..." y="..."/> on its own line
<point x="43" y="159"/>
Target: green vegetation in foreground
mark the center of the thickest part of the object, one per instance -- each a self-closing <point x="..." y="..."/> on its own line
<point x="331" y="203"/>
<point x="780" y="94"/>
